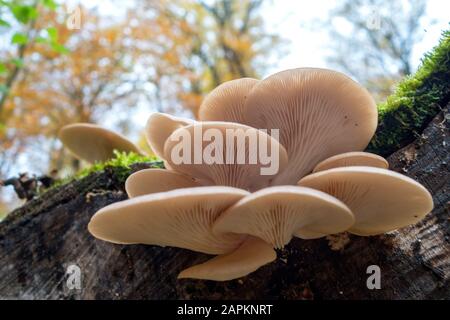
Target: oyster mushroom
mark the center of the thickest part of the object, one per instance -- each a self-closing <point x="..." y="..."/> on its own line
<point x="93" y="143"/>
<point x="276" y="214"/>
<point x="381" y="200"/>
<point x="232" y="163"/>
<point x="319" y="112"/>
<point x="252" y="254"/>
<point x="159" y="127"/>
<point x="149" y="181"/>
<point x="350" y="159"/>
<point x="226" y="102"/>
<point x="180" y="218"/>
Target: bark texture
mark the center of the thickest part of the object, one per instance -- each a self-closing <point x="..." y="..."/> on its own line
<point x="40" y="240"/>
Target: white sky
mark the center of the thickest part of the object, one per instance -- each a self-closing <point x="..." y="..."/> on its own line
<point x="294" y="20"/>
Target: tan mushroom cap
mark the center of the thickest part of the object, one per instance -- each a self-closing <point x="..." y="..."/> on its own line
<point x="381" y="200"/>
<point x="319" y="112"/>
<point x="276" y="214"/>
<point x="159" y="127"/>
<point x="149" y="181"/>
<point x="180" y="218"/>
<point x="250" y="256"/>
<point x="226" y="102"/>
<point x="93" y="143"/>
<point x="350" y="159"/>
<point x="245" y="175"/>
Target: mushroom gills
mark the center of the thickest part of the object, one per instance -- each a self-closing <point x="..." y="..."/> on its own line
<point x="149" y="181"/>
<point x="229" y="164"/>
<point x="226" y="102"/>
<point x="159" y="127"/>
<point x="381" y="200"/>
<point x="276" y="214"/>
<point x="92" y="143"/>
<point x="252" y="254"/>
<point x="350" y="159"/>
<point x="319" y="113"/>
<point x="180" y="218"/>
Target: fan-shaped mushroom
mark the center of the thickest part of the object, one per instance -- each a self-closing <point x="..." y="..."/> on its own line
<point x="219" y="153"/>
<point x="350" y="159"/>
<point x="252" y="254"/>
<point x="226" y="102"/>
<point x="381" y="200"/>
<point x="159" y="127"/>
<point x="276" y="214"/>
<point x="93" y="143"/>
<point x="149" y="181"/>
<point x="180" y="218"/>
<point x="320" y="113"/>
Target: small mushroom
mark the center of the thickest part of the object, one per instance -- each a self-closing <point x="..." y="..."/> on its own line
<point x="226" y="102"/>
<point x="228" y="160"/>
<point x="252" y="254"/>
<point x="159" y="127"/>
<point x="180" y="218"/>
<point x="93" y="143"/>
<point x="276" y="214"/>
<point x="381" y="200"/>
<point x="351" y="159"/>
<point x="149" y="181"/>
<point x="319" y="112"/>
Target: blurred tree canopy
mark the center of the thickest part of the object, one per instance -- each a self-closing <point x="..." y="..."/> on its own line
<point x="162" y="54"/>
<point x="373" y="40"/>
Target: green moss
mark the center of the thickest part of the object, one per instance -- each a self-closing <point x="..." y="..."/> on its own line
<point x="120" y="166"/>
<point x="417" y="99"/>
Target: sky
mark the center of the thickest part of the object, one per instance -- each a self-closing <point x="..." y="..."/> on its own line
<point x="295" y="21"/>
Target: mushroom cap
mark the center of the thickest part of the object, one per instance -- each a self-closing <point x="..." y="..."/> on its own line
<point x="180" y="218"/>
<point x="276" y="214"/>
<point x="93" y="143"/>
<point x="252" y="254"/>
<point x="159" y="127"/>
<point x="226" y="102"/>
<point x="351" y="159"/>
<point x="230" y="173"/>
<point x="149" y="181"/>
<point x="319" y="112"/>
<point x="380" y="199"/>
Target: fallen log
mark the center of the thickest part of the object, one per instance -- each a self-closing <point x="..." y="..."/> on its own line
<point x="45" y="243"/>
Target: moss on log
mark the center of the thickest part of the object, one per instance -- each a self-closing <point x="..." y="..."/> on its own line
<point x="417" y="100"/>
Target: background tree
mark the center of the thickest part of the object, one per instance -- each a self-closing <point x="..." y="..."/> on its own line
<point x="373" y="40"/>
<point x="18" y="27"/>
<point x="226" y="40"/>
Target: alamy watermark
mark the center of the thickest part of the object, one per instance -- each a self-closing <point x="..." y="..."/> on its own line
<point x="234" y="146"/>
<point x="374" y="280"/>
<point x="73" y="273"/>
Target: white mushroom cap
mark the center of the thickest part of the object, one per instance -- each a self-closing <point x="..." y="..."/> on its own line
<point x="181" y="218"/>
<point x="250" y="256"/>
<point x="276" y="214"/>
<point x="319" y="112"/>
<point x="93" y="143"/>
<point x="381" y="200"/>
<point x="149" y="181"/>
<point x="245" y="175"/>
<point x="226" y="102"/>
<point x="351" y="159"/>
<point x="159" y="127"/>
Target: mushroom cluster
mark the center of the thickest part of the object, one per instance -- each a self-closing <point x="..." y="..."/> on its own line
<point x="325" y="185"/>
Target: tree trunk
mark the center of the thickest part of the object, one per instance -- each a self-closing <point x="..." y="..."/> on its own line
<point x="40" y="240"/>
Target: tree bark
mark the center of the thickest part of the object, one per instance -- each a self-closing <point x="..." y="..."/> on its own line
<point x="40" y="240"/>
